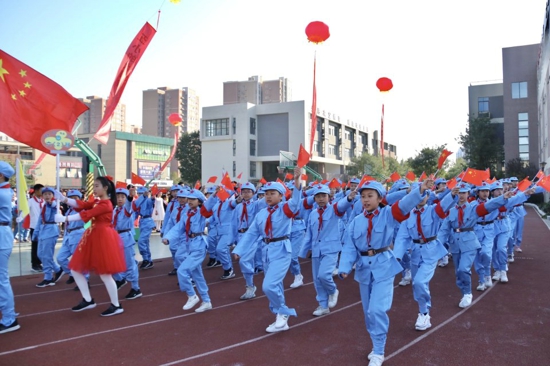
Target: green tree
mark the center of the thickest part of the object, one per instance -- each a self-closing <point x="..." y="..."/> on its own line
<point x="482" y="147"/>
<point x="459" y="166"/>
<point x="426" y="160"/>
<point x="372" y="165"/>
<point x="517" y="168"/>
<point x="28" y="178"/>
<point x="189" y="155"/>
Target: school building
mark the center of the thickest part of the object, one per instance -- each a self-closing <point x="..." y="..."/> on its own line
<point x="256" y="140"/>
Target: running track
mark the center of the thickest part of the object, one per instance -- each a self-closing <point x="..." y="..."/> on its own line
<point x="506" y="325"/>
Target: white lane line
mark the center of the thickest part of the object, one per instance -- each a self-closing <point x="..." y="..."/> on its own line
<point x="132" y="326"/>
<point x="218" y="350"/>
<point x="433" y="330"/>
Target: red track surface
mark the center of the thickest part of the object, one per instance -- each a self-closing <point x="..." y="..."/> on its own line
<point x="506" y="325"/>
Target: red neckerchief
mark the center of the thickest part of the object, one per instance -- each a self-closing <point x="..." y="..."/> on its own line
<point x="268" y="225"/>
<point x="419" y="222"/>
<point x="37" y="201"/>
<point x="369" y="216"/>
<point x="190" y="214"/>
<point x="320" y="211"/>
<point x="460" y="209"/>
<point x="244" y="214"/>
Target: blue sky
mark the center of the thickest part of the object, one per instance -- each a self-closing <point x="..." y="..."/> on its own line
<point x="431" y="50"/>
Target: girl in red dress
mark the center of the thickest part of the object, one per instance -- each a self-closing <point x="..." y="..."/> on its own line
<point x="100" y="250"/>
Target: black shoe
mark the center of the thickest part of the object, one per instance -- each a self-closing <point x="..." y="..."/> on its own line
<point x="193" y="283"/>
<point x="211" y="263"/>
<point x="217" y="264"/>
<point x="84" y="305"/>
<point x="227" y="274"/>
<point x="46" y="283"/>
<point x="133" y="294"/>
<point x="77" y="289"/>
<point x="113" y="310"/>
<point x="173" y="272"/>
<point x="149" y="265"/>
<point x="258" y="270"/>
<point x="70" y="281"/>
<point x="10" y="328"/>
<point x="143" y="264"/>
<point x="58" y="275"/>
<point x="36" y="269"/>
<point x="120" y="284"/>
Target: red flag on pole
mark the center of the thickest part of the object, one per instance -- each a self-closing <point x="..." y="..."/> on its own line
<point x="382" y="135"/>
<point x="334" y="183"/>
<point x="212" y="179"/>
<point x="222" y="194"/>
<point x="395" y="176"/>
<point x="198" y="184"/>
<point x="127" y="66"/>
<point x="136" y="179"/>
<point x="31" y="104"/>
<point x="539" y="175"/>
<point x="120" y="184"/>
<point x="444" y="155"/>
<point x="303" y="157"/>
<point x="524" y="184"/>
<point x="476" y="177"/>
<point x="451" y="183"/>
<point x="410" y="176"/>
<point x="313" y="109"/>
<point x="289" y="176"/>
<point x="365" y="178"/>
<point x="263" y="181"/>
<point x="304" y="177"/>
<point x="226" y="182"/>
<point x="544" y="182"/>
<point x="422" y="177"/>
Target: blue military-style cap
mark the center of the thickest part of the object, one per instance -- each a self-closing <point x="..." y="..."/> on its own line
<point x="141" y="190"/>
<point x="195" y="193"/>
<point x="320" y="189"/>
<point x="6" y="170"/>
<point x="121" y="191"/>
<point x="182" y="193"/>
<point x="355" y="180"/>
<point x="440" y="180"/>
<point x="48" y="189"/>
<point x="463" y="188"/>
<point x="175" y="187"/>
<point x="248" y="185"/>
<point x="374" y="185"/>
<point x="484" y="186"/>
<point x="514" y="179"/>
<point x="274" y="186"/>
<point x="74" y="192"/>
<point x="211" y="190"/>
<point x="496" y="185"/>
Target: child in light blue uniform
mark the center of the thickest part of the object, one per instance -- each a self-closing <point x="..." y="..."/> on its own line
<point x="191" y="228"/>
<point x="47" y="232"/>
<point x="73" y="234"/>
<point x="458" y="231"/>
<point x="419" y="231"/>
<point x="170" y="207"/>
<point x="123" y="223"/>
<point x="143" y="206"/>
<point x="367" y="245"/>
<point x="297" y="234"/>
<point x="518" y="220"/>
<point x="211" y="239"/>
<point x="176" y="215"/>
<point x="8" y="322"/>
<point x="273" y="224"/>
<point x="323" y="240"/>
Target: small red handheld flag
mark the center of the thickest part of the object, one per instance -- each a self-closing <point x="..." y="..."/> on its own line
<point x="198" y="184"/>
<point x="444" y="155"/>
<point x="524" y="184"/>
<point x="136" y="179"/>
<point x="303" y="157"/>
<point x="334" y="183"/>
<point x="410" y="176"/>
<point x="289" y="176"/>
<point x="395" y="176"/>
<point x="263" y="181"/>
<point x="545" y="183"/>
<point x="212" y="179"/>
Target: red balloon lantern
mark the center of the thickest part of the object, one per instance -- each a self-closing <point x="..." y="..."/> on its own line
<point x="317" y="32"/>
<point x="175" y="119"/>
<point x="384" y="84"/>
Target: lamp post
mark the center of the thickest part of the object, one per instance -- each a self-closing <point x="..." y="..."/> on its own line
<point x="543" y="166"/>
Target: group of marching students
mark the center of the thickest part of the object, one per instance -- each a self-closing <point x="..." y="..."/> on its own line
<point x="409" y="229"/>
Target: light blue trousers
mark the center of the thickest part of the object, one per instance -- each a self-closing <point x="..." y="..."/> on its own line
<point x="296" y="240"/>
<point x="422" y="274"/>
<point x="463" y="270"/>
<point x="276" y="260"/>
<point x="7" y="305"/>
<point x="191" y="267"/>
<point x="145" y="229"/>
<point x="323" y="281"/>
<point x="46" y="248"/>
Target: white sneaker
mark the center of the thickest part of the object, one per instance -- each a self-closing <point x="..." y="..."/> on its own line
<point x="333" y="299"/>
<point x="281" y="324"/>
<point x="423" y="322"/>
<point x="466" y="301"/>
<point x="406" y="280"/>
<point x="481" y="287"/>
<point x="192" y="301"/>
<point x="321" y="311"/>
<point x="298" y="281"/>
<point x="376" y="360"/>
<point x="510" y="258"/>
<point x="443" y="262"/>
<point x="250" y="293"/>
<point x="488" y="281"/>
<point x="496" y="276"/>
<point x="335" y="272"/>
<point x="503" y="277"/>
<point x="204" y="307"/>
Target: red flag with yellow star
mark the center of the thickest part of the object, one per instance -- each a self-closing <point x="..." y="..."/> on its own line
<point x="32" y="104"/>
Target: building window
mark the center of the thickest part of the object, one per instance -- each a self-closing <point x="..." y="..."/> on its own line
<point x="523" y="132"/>
<point x="316" y="146"/>
<point x="331" y="150"/>
<point x="234" y="147"/>
<point x="519" y="90"/>
<point x="252" y="147"/>
<point x="523" y="148"/>
<point x="524" y="140"/>
<point x="331" y="130"/>
<point x="252" y="126"/>
<point x="234" y="126"/>
<point x="482" y="105"/>
<point x="252" y="169"/>
<point x="347" y="135"/>
<point x="524" y="156"/>
<point x="347" y="153"/>
<point x="217" y="127"/>
<point x="234" y="168"/>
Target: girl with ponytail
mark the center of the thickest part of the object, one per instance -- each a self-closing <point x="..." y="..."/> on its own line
<point x="100" y="250"/>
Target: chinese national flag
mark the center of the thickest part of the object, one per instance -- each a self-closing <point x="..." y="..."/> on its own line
<point x="303" y="157"/>
<point x="120" y="184"/>
<point x="154" y="190"/>
<point x="226" y="182"/>
<point x="324" y="181"/>
<point x="222" y="194"/>
<point x="31" y="104"/>
<point x="136" y="179"/>
<point x="129" y="61"/>
<point x="444" y="155"/>
<point x="524" y="184"/>
<point x="474" y="176"/>
<point x="334" y="183"/>
<point x="289" y="176"/>
<point x="539" y="175"/>
<point x="410" y="176"/>
<point x="240" y="176"/>
<point x="263" y="181"/>
<point x="212" y="179"/>
<point x="451" y="183"/>
<point x="461" y="175"/>
<point x="304" y="177"/>
<point x="365" y="178"/>
<point x="395" y="176"/>
<point x="198" y="184"/>
<point x="545" y="183"/>
<point x="422" y="177"/>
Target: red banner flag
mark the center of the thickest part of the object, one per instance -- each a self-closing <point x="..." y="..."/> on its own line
<point x="125" y="70"/>
<point x="395" y="176"/>
<point x="120" y="184"/>
<point x="410" y="176"/>
<point x="545" y="183"/>
<point x="289" y="176"/>
<point x="212" y="179"/>
<point x="32" y="104"/>
<point x="222" y="194"/>
<point x="476" y="177"/>
<point x="451" y="183"/>
<point x="422" y="177"/>
<point x="444" y="155"/>
<point x="226" y="182"/>
<point x="461" y="175"/>
<point x="136" y="179"/>
<point x="539" y="175"/>
<point x="303" y="157"/>
<point x="263" y="181"/>
<point x="524" y="184"/>
<point x="313" y="110"/>
<point x="198" y="184"/>
<point x="334" y="183"/>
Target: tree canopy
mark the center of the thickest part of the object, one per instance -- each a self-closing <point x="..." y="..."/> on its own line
<point x="482" y="146"/>
<point x="189" y="155"/>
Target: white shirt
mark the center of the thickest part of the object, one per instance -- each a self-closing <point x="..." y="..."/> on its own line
<point x="35" y="208"/>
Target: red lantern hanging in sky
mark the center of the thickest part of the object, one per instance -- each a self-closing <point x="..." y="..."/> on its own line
<point x="384" y="85"/>
<point x="317" y="32"/>
<point x="175" y="119"/>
